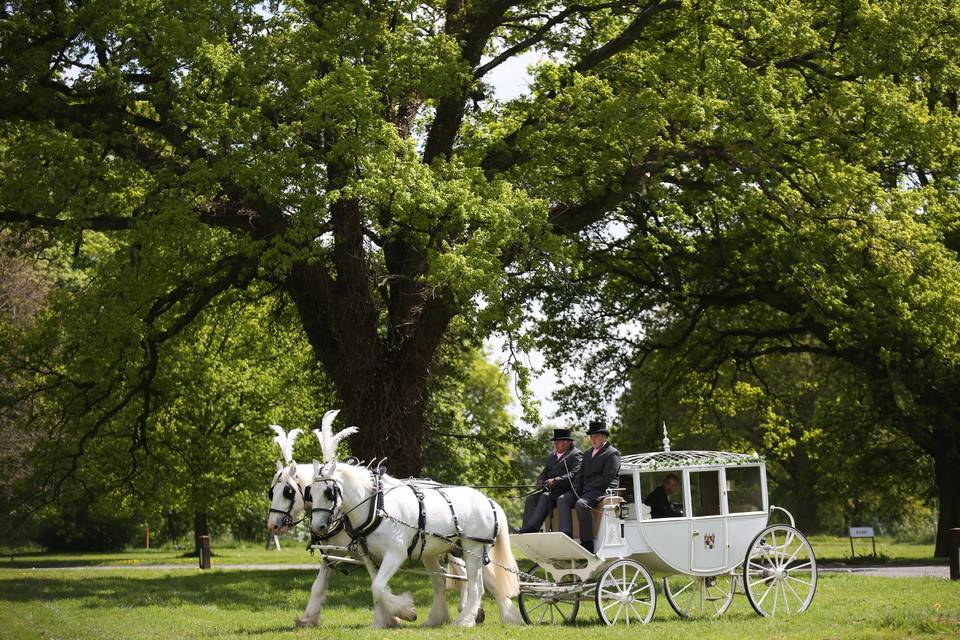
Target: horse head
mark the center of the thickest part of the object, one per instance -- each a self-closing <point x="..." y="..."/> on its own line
<point x="327" y="488"/>
<point x="287" y="495"/>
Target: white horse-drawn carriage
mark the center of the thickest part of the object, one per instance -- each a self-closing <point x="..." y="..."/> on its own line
<point x="721" y="541"/>
<point x="717" y="540"/>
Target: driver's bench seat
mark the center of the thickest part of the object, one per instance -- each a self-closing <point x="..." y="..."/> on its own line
<point x="552" y="522"/>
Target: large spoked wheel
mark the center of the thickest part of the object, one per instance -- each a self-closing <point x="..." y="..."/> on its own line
<point x="558" y="607"/>
<point x="699" y="597"/>
<point x="625" y="593"/>
<point x="780" y="572"/>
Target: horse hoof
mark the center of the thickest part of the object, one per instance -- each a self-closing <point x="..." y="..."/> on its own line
<point x="408" y="614"/>
<point x="305" y="622"/>
<point x="481" y="616"/>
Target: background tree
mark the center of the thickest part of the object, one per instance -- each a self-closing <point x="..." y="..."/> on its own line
<point x="348" y="155"/>
<point x="814" y="211"/>
<point x="831" y="460"/>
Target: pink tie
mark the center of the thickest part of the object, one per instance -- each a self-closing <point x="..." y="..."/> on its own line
<point x="594" y="453"/>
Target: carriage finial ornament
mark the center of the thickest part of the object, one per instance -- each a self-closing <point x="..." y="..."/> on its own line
<point x="666" y="439"/>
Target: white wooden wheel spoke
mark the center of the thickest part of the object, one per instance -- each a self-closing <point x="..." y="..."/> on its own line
<point x="617" y="615"/>
<point x="684" y="588"/>
<point x="766" y="592"/>
<point x="698" y="597"/>
<point x="793" y="556"/>
<point x="612" y="603"/>
<point x="693" y="594"/>
<point x="794" y="578"/>
<point x="767" y="579"/>
<point x="793" y="591"/>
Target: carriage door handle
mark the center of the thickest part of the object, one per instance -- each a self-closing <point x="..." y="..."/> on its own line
<point x="696" y="533"/>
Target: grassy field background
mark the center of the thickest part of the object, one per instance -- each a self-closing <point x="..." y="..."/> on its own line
<point x="829" y="550"/>
<point x="39" y="600"/>
<point x="259" y="604"/>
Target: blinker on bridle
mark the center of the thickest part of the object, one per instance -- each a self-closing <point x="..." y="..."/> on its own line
<point x="331" y="492"/>
<point x="290" y="494"/>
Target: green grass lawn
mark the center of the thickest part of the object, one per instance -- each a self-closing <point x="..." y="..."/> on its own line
<point x="251" y="604"/>
<point x="828" y="549"/>
<point x="834" y="549"/>
<point x="291" y="553"/>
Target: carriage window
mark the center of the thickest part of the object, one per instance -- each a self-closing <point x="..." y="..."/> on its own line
<point x="743" y="489"/>
<point x="659" y="504"/>
<point x="705" y="493"/>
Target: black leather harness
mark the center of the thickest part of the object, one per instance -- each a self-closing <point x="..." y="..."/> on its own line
<point x="375" y="513"/>
<point x="358" y="535"/>
<point x="420" y="535"/>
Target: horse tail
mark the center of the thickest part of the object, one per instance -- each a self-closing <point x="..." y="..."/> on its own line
<point x="504" y="565"/>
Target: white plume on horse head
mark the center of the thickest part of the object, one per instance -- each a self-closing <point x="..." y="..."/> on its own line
<point x="328" y="439"/>
<point x="285" y="441"/>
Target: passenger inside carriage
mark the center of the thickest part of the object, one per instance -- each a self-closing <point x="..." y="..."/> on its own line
<point x="659" y="499"/>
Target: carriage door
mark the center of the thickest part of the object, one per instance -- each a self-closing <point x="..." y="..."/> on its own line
<point x="708" y="528"/>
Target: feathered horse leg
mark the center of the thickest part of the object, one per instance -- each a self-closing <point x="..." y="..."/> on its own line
<point x="386" y="605"/>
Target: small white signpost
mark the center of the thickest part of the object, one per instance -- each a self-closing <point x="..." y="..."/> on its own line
<point x="862" y="532"/>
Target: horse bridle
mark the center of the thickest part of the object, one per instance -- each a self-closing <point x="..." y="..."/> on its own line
<point x="333" y="493"/>
<point x="290" y="491"/>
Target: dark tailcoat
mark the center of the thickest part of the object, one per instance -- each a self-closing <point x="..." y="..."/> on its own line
<point x="598" y="473"/>
<point x="563" y="470"/>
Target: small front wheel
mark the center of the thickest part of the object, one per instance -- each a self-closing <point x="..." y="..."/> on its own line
<point x="779" y="571"/>
<point x="557" y="606"/>
<point x="625" y="593"/>
<point x="699" y="597"/>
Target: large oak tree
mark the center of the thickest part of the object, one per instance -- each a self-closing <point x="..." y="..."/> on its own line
<point x="350" y="155"/>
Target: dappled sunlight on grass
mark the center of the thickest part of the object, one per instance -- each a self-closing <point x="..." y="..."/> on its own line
<point x="244" y="604"/>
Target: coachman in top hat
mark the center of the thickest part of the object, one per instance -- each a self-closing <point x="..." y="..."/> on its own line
<point x="599" y="471"/>
<point x="555" y="478"/>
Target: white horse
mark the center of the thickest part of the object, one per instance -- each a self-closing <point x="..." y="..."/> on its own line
<point x="290" y="492"/>
<point x="384" y="514"/>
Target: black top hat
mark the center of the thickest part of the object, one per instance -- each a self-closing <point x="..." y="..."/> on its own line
<point x="597" y="426"/>
<point x="562" y="434"/>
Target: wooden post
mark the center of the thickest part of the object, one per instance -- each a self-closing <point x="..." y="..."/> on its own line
<point x="204" y="552"/>
<point x="954" y="541"/>
<point x="147" y="538"/>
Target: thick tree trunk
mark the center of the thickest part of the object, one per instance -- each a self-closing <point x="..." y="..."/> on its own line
<point x="381" y="376"/>
<point x="200" y="528"/>
<point x="947" y="472"/>
<point x="390" y="418"/>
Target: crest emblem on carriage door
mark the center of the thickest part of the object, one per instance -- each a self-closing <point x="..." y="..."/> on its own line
<point x="709" y="540"/>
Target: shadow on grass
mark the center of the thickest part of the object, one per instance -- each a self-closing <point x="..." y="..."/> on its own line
<point x="247" y="590"/>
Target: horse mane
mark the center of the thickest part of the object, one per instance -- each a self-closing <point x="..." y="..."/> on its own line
<point x="328" y="439"/>
<point x="358" y="475"/>
<point x="285" y="441"/>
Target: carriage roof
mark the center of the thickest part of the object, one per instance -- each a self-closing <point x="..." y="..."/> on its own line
<point x="683" y="459"/>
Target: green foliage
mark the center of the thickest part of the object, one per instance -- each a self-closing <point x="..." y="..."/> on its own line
<point x="722" y="180"/>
